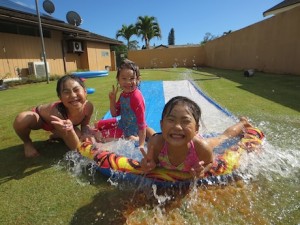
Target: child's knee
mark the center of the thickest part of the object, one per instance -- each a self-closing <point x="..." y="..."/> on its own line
<point x="24" y="120"/>
<point x="18" y="122"/>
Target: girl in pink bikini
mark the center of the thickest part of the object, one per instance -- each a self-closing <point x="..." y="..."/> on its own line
<point x="61" y="118"/>
<point x="179" y="146"/>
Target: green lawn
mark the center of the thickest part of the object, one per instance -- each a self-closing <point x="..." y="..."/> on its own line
<point x="38" y="191"/>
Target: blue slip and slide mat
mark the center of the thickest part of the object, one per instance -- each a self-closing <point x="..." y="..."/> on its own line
<point x="157" y="93"/>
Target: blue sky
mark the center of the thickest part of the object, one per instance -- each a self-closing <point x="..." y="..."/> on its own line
<point x="191" y="19"/>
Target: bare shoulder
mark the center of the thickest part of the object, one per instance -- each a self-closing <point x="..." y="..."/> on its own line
<point x="156" y="143"/>
<point x="204" y="148"/>
<point x="156" y="140"/>
<point x="202" y="143"/>
<point x="47" y="110"/>
<point x="89" y="104"/>
<point x="46" y="106"/>
<point x="89" y="107"/>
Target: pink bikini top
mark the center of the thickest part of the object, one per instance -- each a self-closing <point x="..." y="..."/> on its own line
<point x="185" y="166"/>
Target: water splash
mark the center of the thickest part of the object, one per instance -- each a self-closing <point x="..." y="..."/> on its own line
<point x="83" y="169"/>
<point x="123" y="147"/>
<point x="271" y="163"/>
<point x="161" y="199"/>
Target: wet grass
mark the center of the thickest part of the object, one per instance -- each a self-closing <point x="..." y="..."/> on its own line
<point x="37" y="191"/>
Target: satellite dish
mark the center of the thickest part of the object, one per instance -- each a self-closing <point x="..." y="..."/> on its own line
<point x="73" y="18"/>
<point x="48" y="6"/>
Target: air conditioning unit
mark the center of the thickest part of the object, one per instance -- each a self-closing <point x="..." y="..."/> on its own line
<point x="77" y="46"/>
<point x="38" y="69"/>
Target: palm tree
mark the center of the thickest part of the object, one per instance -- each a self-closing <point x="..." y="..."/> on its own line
<point x="148" y="28"/>
<point x="126" y="32"/>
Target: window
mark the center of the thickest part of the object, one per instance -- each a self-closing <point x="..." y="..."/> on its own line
<point x="104" y="53"/>
<point x="12" y="28"/>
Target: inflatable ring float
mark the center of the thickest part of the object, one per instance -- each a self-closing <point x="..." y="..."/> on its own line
<point x="223" y="169"/>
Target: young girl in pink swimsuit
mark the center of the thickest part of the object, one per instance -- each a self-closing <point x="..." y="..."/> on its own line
<point x="61" y="118"/>
<point x="179" y="146"/>
<point x="130" y="106"/>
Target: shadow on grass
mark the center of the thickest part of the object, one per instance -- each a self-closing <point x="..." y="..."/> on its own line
<point x="14" y="165"/>
<point x="107" y="207"/>
<point x="114" y="206"/>
<point x="282" y="89"/>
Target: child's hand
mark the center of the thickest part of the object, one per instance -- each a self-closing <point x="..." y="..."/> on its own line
<point x="113" y="94"/>
<point x="66" y="125"/>
<point x="146" y="163"/>
<point x="89" y="134"/>
<point x="198" y="169"/>
<point x="98" y="136"/>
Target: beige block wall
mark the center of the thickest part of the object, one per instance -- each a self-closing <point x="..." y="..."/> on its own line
<point x="272" y="45"/>
<point x="166" y="58"/>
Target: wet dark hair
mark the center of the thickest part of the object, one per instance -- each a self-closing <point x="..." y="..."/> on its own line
<point x="128" y="64"/>
<point x="60" y="106"/>
<point x="192" y="106"/>
<point x="63" y="79"/>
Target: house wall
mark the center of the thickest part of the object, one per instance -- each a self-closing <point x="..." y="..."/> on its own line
<point x="18" y="50"/>
<point x="113" y="60"/>
<point x="272" y="45"/>
<point x="98" y="55"/>
<point x="73" y="62"/>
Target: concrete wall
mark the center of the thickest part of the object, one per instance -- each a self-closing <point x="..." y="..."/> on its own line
<point x="272" y="45"/>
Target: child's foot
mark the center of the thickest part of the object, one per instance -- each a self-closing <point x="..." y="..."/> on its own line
<point x="98" y="137"/>
<point x="30" y="151"/>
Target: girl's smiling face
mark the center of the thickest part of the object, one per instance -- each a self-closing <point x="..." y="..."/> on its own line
<point x="128" y="80"/>
<point x="179" y="126"/>
<point x="72" y="94"/>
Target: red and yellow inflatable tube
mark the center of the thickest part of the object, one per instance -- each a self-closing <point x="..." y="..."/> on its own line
<point x="224" y="164"/>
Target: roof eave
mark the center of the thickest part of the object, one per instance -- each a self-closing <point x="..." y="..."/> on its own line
<point x="76" y="32"/>
<point x="280" y="10"/>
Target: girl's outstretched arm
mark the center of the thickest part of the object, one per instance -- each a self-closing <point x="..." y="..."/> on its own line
<point x="231" y="132"/>
<point x="204" y="150"/>
<point x="65" y="130"/>
<point x="86" y="130"/>
<point x="142" y="137"/>
<point x="237" y="129"/>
